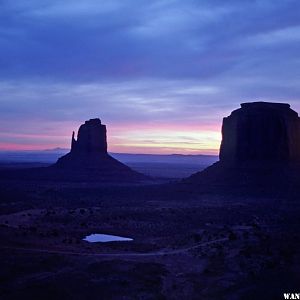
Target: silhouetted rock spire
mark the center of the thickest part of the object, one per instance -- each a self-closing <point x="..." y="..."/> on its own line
<point x="261" y="131"/>
<point x="73" y="142"/>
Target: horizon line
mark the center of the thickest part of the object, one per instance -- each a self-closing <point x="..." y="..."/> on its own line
<point x="110" y="152"/>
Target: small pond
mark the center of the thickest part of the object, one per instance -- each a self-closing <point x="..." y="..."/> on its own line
<point x="103" y="238"/>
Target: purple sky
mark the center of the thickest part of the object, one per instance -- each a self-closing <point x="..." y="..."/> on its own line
<point x="160" y="74"/>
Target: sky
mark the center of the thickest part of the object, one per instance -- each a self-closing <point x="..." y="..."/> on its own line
<point x="160" y="74"/>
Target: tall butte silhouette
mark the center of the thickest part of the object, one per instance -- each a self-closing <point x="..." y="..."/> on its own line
<point x="260" y="149"/>
<point x="261" y="132"/>
<point x="89" y="158"/>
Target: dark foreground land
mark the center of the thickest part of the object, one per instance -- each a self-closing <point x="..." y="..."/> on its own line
<point x="188" y="243"/>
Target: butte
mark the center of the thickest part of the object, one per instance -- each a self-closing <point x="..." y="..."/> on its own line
<point x="89" y="159"/>
<point x="260" y="151"/>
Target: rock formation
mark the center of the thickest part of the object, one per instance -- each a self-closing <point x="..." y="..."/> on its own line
<point x="91" y="138"/>
<point x="261" y="131"/>
<point x="89" y="155"/>
<point x="260" y="151"/>
<point x="89" y="149"/>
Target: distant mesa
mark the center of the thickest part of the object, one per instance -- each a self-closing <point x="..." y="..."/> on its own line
<point x="261" y="131"/>
<point x="260" y="151"/>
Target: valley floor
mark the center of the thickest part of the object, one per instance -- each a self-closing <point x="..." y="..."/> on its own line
<point x="187" y="245"/>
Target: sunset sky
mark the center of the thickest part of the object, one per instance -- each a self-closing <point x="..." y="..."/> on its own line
<point x="160" y="74"/>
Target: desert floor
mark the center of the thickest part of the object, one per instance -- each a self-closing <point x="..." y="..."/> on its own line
<point x="187" y="244"/>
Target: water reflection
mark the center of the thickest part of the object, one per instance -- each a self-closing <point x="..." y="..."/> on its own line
<point x="103" y="238"/>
